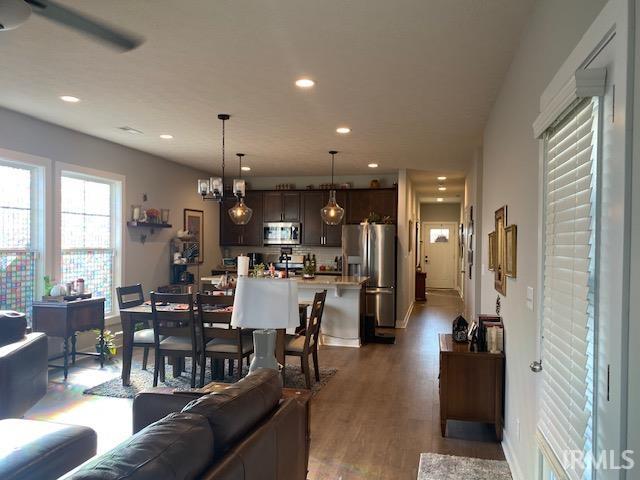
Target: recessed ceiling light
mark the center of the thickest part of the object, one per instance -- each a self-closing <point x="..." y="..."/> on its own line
<point x="442" y="179"/>
<point x="305" y="83"/>
<point x="246" y="169"/>
<point x="442" y="189"/>
<point x="69" y="99"/>
<point x="166" y="136"/>
<point x="343" y="130"/>
<point x="439" y="199"/>
<point x="373" y="165"/>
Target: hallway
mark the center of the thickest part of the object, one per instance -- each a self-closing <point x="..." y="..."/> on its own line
<point x="381" y="410"/>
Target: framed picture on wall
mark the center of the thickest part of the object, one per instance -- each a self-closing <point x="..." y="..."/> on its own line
<point x="492" y="251"/>
<point x="194" y="224"/>
<point x="500" y="277"/>
<point x="511" y="251"/>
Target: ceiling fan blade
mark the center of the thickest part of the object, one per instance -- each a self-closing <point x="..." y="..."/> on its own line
<point x="99" y="30"/>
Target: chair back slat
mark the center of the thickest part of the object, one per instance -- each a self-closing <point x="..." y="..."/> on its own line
<point x="130" y="296"/>
<point x="207" y="317"/>
<point x="177" y="323"/>
<point x="313" y="327"/>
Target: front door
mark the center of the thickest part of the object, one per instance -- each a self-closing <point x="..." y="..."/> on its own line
<point x="439" y="241"/>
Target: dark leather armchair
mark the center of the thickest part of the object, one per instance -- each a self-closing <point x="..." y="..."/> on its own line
<point x="23" y="366"/>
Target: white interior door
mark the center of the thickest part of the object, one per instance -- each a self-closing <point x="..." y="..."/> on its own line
<point x="440" y="245"/>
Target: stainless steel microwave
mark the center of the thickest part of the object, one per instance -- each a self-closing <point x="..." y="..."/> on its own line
<point x="281" y="233"/>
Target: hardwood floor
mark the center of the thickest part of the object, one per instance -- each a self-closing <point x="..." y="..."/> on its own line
<point x="371" y="421"/>
<point x="381" y="410"/>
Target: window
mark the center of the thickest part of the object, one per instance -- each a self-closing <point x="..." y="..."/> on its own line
<point x="438" y="235"/>
<point x="87" y="233"/>
<point x="18" y="238"/>
<point x="568" y="315"/>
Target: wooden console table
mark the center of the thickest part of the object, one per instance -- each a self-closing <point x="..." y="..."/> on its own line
<point x="471" y="384"/>
<point x="64" y="320"/>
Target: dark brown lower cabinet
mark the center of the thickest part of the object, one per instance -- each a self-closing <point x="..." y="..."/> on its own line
<point x="471" y="384"/>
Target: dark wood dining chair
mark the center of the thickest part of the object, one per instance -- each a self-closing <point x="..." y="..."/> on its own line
<point x="174" y="332"/>
<point x="303" y="345"/>
<point x="221" y="341"/>
<point x="132" y="296"/>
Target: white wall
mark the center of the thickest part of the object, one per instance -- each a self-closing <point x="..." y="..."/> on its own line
<point x="167" y="184"/>
<point x="357" y="181"/>
<point x="473" y="198"/>
<point x="509" y="177"/>
<point x="408" y="211"/>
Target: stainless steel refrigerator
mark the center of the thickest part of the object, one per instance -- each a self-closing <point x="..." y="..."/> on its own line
<point x="370" y="250"/>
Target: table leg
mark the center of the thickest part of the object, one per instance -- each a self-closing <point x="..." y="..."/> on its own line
<point x="127" y="346"/>
<point x="73" y="348"/>
<point x="65" y="355"/>
<point x="280" y="340"/>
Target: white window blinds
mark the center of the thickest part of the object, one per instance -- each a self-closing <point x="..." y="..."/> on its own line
<point x="566" y="410"/>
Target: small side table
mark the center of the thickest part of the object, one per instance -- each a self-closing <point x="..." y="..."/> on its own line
<point x="64" y="320"/>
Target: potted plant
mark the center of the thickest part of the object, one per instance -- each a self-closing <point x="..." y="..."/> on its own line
<point x="308" y="271"/>
<point x="109" y="349"/>
<point x="258" y="270"/>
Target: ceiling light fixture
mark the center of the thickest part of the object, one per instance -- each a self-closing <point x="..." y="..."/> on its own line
<point x="69" y="99"/>
<point x="373" y="165"/>
<point x="305" y="83"/>
<point x="212" y="188"/>
<point x="442" y="189"/>
<point x="439" y="199"/>
<point x="166" y="136"/>
<point x="442" y="179"/>
<point x="343" y="130"/>
<point x="332" y="213"/>
<point x="240" y="214"/>
<point x="245" y="169"/>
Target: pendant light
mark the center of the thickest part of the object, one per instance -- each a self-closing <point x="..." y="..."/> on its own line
<point x="240" y="214"/>
<point x="212" y="188"/>
<point x="332" y="213"/>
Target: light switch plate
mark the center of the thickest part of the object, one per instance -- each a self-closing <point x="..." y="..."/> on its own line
<point x="530" y="298"/>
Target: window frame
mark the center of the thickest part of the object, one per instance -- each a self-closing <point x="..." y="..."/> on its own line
<point x="117" y="183"/>
<point x="41" y="220"/>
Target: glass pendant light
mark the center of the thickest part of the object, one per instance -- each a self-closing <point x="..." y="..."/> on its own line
<point x="213" y="188"/>
<point x="332" y="213"/>
<point x="240" y="214"/>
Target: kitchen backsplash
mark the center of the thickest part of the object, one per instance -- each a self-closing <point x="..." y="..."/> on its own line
<point x="324" y="255"/>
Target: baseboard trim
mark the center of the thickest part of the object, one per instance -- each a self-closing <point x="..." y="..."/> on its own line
<point x="405" y="320"/>
<point x="339" y="342"/>
<point x="514" y="465"/>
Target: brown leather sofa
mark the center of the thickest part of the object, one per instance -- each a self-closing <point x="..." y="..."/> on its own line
<point x="23" y="365"/>
<point x="244" y="432"/>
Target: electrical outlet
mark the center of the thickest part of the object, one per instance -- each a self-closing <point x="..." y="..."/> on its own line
<point x="518" y="429"/>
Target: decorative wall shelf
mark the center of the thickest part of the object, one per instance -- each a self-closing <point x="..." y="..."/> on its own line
<point x="149" y="225"/>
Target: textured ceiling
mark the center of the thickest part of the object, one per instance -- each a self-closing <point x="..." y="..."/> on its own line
<point x="414" y="79"/>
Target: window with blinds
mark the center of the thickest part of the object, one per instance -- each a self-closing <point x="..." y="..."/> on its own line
<point x="565" y="430"/>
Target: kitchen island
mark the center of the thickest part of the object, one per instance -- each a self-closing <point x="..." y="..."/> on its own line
<point x="343" y="309"/>
<point x="343" y="315"/>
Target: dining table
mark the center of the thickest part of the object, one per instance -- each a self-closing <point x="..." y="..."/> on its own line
<point x="130" y="317"/>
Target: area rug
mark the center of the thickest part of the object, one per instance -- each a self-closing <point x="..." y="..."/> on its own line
<point x="143" y="380"/>
<point x="434" y="466"/>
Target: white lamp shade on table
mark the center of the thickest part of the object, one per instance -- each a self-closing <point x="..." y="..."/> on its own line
<point x="265" y="303"/>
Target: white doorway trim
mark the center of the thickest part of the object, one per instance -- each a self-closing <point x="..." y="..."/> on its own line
<point x="453" y="243"/>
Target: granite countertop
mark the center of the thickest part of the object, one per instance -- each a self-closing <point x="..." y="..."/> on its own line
<point x="328" y="280"/>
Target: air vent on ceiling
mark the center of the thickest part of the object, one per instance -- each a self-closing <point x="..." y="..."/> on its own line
<point x="131" y="130"/>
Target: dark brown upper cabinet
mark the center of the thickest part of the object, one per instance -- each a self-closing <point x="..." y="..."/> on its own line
<point x="362" y="203"/>
<point x="239" y="235"/>
<point x="314" y="230"/>
<point x="281" y="206"/>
